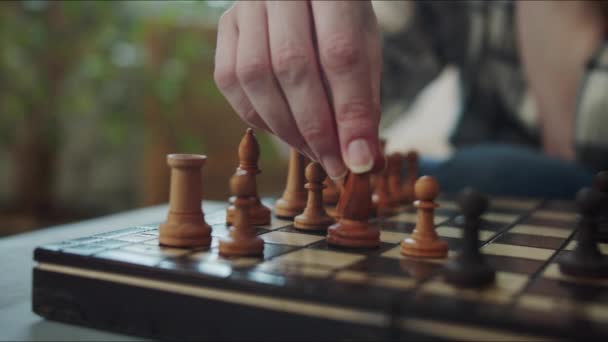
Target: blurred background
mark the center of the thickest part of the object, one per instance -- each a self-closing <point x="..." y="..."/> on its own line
<point x="94" y="94"/>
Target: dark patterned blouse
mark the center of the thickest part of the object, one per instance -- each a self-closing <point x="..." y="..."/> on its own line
<point x="478" y="37"/>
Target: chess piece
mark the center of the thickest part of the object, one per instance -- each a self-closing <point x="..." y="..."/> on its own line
<point x="424" y="241"/>
<point x="293" y="201"/>
<point x="381" y="199"/>
<point x="469" y="268"/>
<point x="242" y="239"/>
<point x="249" y="154"/>
<point x="586" y="260"/>
<point x="331" y="192"/>
<point x="353" y="229"/>
<point x="393" y="175"/>
<point x="411" y="159"/>
<point x="335" y="211"/>
<point x="314" y="216"/>
<point x="185" y="225"/>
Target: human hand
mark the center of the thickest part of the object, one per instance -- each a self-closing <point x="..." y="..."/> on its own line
<point x="308" y="72"/>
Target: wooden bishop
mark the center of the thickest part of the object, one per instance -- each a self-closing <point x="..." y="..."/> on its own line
<point x="249" y="155"/>
<point x="314" y="216"/>
<point x="242" y="239"/>
<point x="424" y="241"/>
<point x="353" y="229"/>
<point x="293" y="201"/>
<point x="185" y="225"/>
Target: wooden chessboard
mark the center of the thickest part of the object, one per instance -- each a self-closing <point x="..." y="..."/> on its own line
<point x="304" y="289"/>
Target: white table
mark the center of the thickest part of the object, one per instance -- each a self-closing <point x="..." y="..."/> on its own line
<point x="17" y="321"/>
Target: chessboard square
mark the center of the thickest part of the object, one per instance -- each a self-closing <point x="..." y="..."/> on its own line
<point x="138" y="237"/>
<point x="456" y="232"/>
<point x="291" y="239"/>
<point x="216" y="217"/>
<point x="504" y="288"/>
<point x="130" y="257"/>
<point x="318" y="257"/>
<point x="294" y="269"/>
<point x="513" y="203"/>
<point x="156" y="250"/>
<point x="447" y="204"/>
<point x="413" y="217"/>
<point x="392" y="237"/>
<point x="514" y="251"/>
<point x="324" y="245"/>
<point x="500" y="217"/>
<point x="395" y="253"/>
<point x="603" y="247"/>
<point x="400" y="283"/>
<point x="555" y="215"/>
<point x="540" y="231"/>
<point x="276" y="223"/>
<point x="547" y="242"/>
<point x="552" y="272"/>
<point x="591" y="311"/>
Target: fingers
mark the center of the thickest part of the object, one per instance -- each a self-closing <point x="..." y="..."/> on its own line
<point x="294" y="65"/>
<point x="342" y="30"/>
<point x="225" y="71"/>
<point x="255" y="75"/>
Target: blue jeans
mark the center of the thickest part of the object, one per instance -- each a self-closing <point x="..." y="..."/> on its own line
<point x="508" y="170"/>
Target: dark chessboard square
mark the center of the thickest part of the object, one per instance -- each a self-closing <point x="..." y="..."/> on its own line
<point x="395" y="226"/>
<point x="538" y="241"/>
<point x="514" y="265"/>
<point x="323" y="245"/>
<point x="548" y="222"/>
<point x="129" y="258"/>
<point x="292" y="229"/>
<point x="458" y="221"/>
<point x="557" y="205"/>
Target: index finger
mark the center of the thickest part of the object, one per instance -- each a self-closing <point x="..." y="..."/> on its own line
<point x="342" y="33"/>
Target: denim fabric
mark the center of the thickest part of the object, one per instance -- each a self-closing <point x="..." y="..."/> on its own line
<point x="508" y="170"/>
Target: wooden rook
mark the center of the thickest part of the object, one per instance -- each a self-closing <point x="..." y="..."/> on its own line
<point x="353" y="229"/>
<point x="411" y="160"/>
<point x="242" y="239"/>
<point x="249" y="155"/>
<point x="185" y="225"/>
<point x="424" y="241"/>
<point x="314" y="216"/>
<point x="293" y="201"/>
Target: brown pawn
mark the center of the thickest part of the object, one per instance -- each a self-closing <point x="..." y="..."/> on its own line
<point x="425" y="242"/>
<point x="293" y="201"/>
<point x="314" y="216"/>
<point x="242" y="239"/>
<point x="393" y="174"/>
<point x="331" y="192"/>
<point x="411" y="159"/>
<point x="249" y="155"/>
<point x="381" y="199"/>
<point x="185" y="225"/>
<point x="353" y="229"/>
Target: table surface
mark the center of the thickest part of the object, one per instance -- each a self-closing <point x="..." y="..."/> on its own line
<point x="17" y="321"/>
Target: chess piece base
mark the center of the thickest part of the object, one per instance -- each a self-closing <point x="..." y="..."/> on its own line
<point x="288" y="209"/>
<point x="304" y="222"/>
<point x="185" y="230"/>
<point x="424" y="249"/>
<point x="592" y="267"/>
<point x="241" y="247"/>
<point x="353" y="234"/>
<point x="469" y="274"/>
<point x="259" y="215"/>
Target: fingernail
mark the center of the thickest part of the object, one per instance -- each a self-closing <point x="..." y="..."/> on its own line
<point x="333" y="166"/>
<point x="359" y="156"/>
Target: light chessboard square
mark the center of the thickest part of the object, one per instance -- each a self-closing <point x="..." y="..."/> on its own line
<point x="412" y="218"/>
<point x="603" y="247"/>
<point x="392" y="237"/>
<point x="331" y="259"/>
<point x="552" y="272"/>
<point x="555" y="215"/>
<point x="506" y="285"/>
<point x="514" y="251"/>
<point x="455" y="232"/>
<point x="378" y="280"/>
<point x="290" y="239"/>
<point x="514" y="203"/>
<point x="500" y="217"/>
<point x="276" y="223"/>
<point x="540" y="231"/>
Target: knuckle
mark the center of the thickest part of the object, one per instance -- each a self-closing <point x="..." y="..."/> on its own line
<point x="291" y="64"/>
<point x="224" y="78"/>
<point x="252" y="71"/>
<point x="355" y="115"/>
<point x="340" y="52"/>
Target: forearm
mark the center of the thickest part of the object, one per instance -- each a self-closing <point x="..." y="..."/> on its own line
<point x="556" y="40"/>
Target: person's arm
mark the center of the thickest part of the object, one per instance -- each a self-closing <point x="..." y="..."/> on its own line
<point x="556" y="41"/>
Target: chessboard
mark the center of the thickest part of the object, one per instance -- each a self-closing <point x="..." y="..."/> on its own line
<point x="302" y="288"/>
